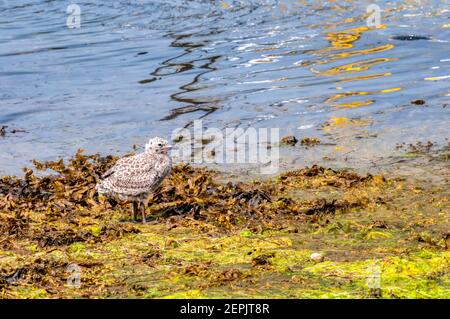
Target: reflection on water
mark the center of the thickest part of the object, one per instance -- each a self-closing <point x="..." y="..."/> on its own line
<point x="141" y="68"/>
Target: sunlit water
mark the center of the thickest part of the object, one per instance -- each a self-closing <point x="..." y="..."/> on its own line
<point x="135" y="69"/>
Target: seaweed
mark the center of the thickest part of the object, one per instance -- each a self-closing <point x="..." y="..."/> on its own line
<point x="289" y="140"/>
<point x="310" y="141"/>
<point x="219" y="239"/>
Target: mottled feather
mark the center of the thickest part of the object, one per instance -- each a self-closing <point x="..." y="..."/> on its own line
<point x="135" y="177"/>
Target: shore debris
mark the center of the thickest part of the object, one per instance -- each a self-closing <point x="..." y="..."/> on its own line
<point x="211" y="238"/>
<point x="310" y="141"/>
<point x="289" y="140"/>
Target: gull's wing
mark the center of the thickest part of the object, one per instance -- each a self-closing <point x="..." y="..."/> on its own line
<point x="137" y="174"/>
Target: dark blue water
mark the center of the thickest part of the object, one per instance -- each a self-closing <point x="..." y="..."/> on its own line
<point x="135" y="69"/>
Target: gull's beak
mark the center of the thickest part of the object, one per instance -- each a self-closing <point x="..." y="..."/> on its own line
<point x="167" y="147"/>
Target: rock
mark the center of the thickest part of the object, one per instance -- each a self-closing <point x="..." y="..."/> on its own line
<point x="418" y="102"/>
<point x="12" y="131"/>
<point x="410" y="37"/>
<point x="318" y="258"/>
<point x="289" y="140"/>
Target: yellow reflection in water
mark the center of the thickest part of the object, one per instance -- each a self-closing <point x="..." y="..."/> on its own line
<point x="350" y="105"/>
<point x="348" y="54"/>
<point x="342" y="46"/>
<point x="353" y="67"/>
<point x="364" y="77"/>
<point x="355" y="104"/>
<point x="390" y="90"/>
<point x="344" y="41"/>
<point x="343" y="122"/>
<point x="437" y="78"/>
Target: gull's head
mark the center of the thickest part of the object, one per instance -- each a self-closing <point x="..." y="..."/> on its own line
<point x="158" y="145"/>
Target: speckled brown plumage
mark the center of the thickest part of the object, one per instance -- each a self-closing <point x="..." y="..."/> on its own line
<point x="134" y="178"/>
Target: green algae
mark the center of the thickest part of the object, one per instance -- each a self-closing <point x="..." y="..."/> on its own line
<point x="216" y="240"/>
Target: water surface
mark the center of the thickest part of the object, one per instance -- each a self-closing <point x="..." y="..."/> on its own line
<point x="139" y="68"/>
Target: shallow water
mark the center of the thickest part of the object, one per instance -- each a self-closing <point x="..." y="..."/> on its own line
<point x="138" y="68"/>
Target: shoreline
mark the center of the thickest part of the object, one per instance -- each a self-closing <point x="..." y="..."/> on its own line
<point x="409" y="160"/>
<point x="211" y="237"/>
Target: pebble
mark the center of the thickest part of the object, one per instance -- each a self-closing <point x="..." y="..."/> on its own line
<point x="317" y="257"/>
<point x="418" y="102"/>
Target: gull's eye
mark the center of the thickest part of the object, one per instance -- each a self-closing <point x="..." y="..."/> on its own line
<point x="159" y="144"/>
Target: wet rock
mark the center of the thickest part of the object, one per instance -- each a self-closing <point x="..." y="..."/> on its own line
<point x="410" y="37"/>
<point x="3" y="131"/>
<point x="147" y="80"/>
<point x="418" y="102"/>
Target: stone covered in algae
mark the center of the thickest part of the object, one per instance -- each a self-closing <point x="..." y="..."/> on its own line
<point x="380" y="236"/>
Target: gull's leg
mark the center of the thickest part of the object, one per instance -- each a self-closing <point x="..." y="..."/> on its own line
<point x="135" y="211"/>
<point x="147" y="201"/>
<point x="143" y="212"/>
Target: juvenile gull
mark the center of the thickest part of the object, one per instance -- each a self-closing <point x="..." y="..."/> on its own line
<point x="134" y="178"/>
